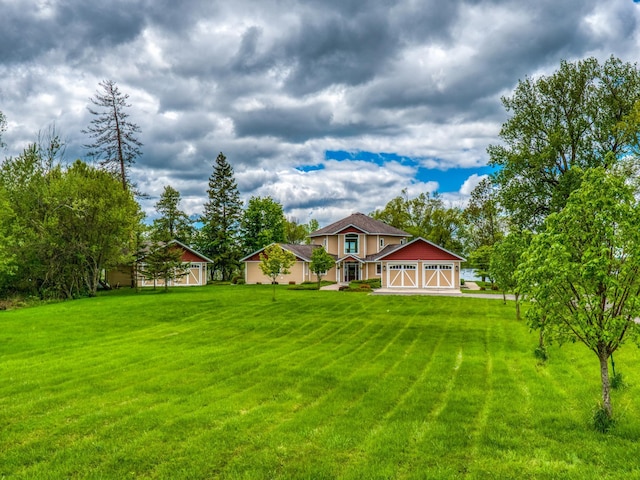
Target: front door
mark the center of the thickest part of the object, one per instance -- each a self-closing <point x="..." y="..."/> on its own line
<point x="351" y="272"/>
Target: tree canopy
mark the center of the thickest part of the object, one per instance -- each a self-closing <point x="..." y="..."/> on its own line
<point x="219" y="236"/>
<point x="263" y="223"/>
<point x="571" y="118"/>
<point x="581" y="271"/>
<point x="276" y="261"/>
<point x="172" y="223"/>
<point x="65" y="225"/>
<point x="321" y="262"/>
<point x="424" y="216"/>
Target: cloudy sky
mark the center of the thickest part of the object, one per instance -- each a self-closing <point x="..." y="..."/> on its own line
<point x="329" y="106"/>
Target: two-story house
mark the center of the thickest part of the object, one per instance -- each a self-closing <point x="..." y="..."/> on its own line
<point x="365" y="248"/>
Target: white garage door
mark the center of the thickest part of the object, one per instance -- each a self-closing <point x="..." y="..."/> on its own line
<point x="438" y="275"/>
<point x="403" y="275"/>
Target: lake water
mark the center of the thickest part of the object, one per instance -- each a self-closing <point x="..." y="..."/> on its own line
<point x="469" y="274"/>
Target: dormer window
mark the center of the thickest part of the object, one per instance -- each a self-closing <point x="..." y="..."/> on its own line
<point x="351" y="243"/>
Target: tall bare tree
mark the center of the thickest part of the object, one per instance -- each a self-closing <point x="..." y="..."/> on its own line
<point x="115" y="142"/>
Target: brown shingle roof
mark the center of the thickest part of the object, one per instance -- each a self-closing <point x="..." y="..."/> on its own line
<point x="302" y="251"/>
<point x="362" y="222"/>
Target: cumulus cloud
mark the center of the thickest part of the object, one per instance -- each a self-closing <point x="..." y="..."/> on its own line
<point x="274" y="85"/>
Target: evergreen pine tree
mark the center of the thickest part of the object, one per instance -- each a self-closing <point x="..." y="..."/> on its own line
<point x="115" y="138"/>
<point x="221" y="220"/>
<point x="173" y="223"/>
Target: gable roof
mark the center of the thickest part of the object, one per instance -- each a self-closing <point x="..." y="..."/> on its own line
<point x="149" y="247"/>
<point x="362" y="222"/>
<point x="444" y="254"/>
<point x="303" y="252"/>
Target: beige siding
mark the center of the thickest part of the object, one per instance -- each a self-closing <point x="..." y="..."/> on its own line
<point x="372" y="244"/>
<point x="332" y="245"/>
<point x="253" y="274"/>
<point x="329" y="276"/>
<point x="370" y="271"/>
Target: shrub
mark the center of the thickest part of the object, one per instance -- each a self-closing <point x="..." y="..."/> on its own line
<point x="240" y="281"/>
<point x="541" y="353"/>
<point x="617" y="381"/>
<point x="372" y="283"/>
<point x="601" y="420"/>
<point x="462" y="281"/>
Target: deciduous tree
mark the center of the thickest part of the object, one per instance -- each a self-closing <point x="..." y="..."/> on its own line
<point x="506" y="256"/>
<point x="581" y="271"/>
<point x="568" y="119"/>
<point x="321" y="262"/>
<point x="262" y="224"/>
<point x="276" y="261"/>
<point x="115" y="138"/>
<point x="424" y="216"/>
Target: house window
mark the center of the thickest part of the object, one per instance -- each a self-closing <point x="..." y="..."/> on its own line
<point x="351" y="243"/>
<point x="378" y="268"/>
<point x="381" y="242"/>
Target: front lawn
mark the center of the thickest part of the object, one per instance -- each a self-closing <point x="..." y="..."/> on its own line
<point x="222" y="382"/>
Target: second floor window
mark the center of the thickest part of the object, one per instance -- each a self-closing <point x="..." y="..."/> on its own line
<point x="351" y="244"/>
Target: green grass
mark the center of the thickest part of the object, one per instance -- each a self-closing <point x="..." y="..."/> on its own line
<point x="222" y="382"/>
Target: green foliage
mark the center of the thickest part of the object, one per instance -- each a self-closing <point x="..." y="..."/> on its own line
<point x="163" y="262"/>
<point x="115" y="141"/>
<point x="425" y="216"/>
<point x="321" y="262"/>
<point x="219" y="236"/>
<point x="540" y="352"/>
<point x="482" y="218"/>
<point x="601" y="419"/>
<point x="67" y="225"/>
<point x="618" y="382"/>
<point x="480" y="259"/>
<point x="576" y="117"/>
<point x="276" y="261"/>
<point x="371" y="283"/>
<point x="263" y="223"/>
<point x="172" y="223"/>
<point x="310" y="285"/>
<point x="581" y="272"/>
<point x="505" y="260"/>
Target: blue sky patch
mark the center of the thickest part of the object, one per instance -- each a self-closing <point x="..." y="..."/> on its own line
<point x="310" y="168"/>
<point x="449" y="180"/>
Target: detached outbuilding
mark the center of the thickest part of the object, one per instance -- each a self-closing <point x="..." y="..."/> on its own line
<point x="195" y="271"/>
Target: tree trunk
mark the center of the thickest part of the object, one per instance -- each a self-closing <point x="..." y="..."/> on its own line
<point x="541" y="338"/>
<point x="518" y="317"/>
<point x="604" y="376"/>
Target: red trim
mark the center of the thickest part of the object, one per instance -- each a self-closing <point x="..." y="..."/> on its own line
<point x="350" y="229"/>
<point x="420" y="250"/>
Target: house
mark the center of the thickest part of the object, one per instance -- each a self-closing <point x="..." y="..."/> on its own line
<point x="366" y="248"/>
<point x="195" y="272"/>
